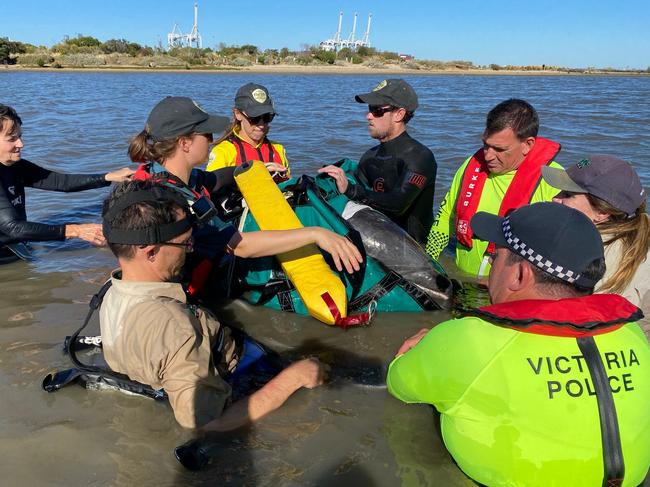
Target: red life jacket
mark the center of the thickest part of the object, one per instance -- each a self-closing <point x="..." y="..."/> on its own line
<point x="266" y="152"/>
<point x="519" y="193"/>
<point x="572" y="317"/>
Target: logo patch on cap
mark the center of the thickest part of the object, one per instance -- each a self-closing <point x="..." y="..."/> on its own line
<point x="259" y="95"/>
<point x="199" y="106"/>
<point x="583" y="163"/>
<point x="380" y="86"/>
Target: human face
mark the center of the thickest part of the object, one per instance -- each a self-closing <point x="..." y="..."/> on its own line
<point x="200" y="148"/>
<point x="504" y="152"/>
<point x="170" y="256"/>
<point x="382" y="122"/>
<point x="11" y="144"/>
<point x="253" y="130"/>
<point x="501" y="273"/>
<point x="580" y="202"/>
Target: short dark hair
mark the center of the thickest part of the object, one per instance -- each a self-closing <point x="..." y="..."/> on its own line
<point x="516" y="114"/>
<point x="138" y="216"/>
<point x="9" y="114"/>
<point x="559" y="287"/>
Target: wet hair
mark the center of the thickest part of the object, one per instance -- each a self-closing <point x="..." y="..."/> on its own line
<point x="141" y="215"/>
<point x="516" y="114"/>
<point x="634" y="234"/>
<point x="9" y="114"/>
<point x="558" y="287"/>
<point x="143" y="148"/>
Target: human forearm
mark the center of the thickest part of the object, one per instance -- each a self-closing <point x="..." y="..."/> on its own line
<point x="272" y="242"/>
<point x="307" y="373"/>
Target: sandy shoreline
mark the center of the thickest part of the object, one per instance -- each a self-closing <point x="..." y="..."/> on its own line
<point x="324" y="69"/>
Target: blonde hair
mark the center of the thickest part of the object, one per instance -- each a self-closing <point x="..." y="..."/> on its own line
<point x="142" y="147"/>
<point x="634" y="234"/>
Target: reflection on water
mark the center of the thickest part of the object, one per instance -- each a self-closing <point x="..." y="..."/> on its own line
<point x="350" y="432"/>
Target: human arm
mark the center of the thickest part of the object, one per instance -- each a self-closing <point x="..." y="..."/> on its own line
<point x="273" y="242"/>
<point x="415" y="171"/>
<point x="42" y="178"/>
<point x="443" y="224"/>
<point x="308" y="373"/>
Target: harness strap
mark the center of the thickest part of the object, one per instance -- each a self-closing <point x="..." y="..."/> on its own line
<point x="386" y="285"/>
<point x="613" y="463"/>
<point x="359" y="319"/>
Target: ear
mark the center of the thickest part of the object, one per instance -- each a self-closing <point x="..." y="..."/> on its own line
<point x="238" y="115"/>
<point x="528" y="145"/>
<point x="523" y="277"/>
<point x="149" y="251"/>
<point x="184" y="143"/>
<point x="599" y="216"/>
<point x="398" y="115"/>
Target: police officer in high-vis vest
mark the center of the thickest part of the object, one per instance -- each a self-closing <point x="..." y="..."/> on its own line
<point x="550" y="384"/>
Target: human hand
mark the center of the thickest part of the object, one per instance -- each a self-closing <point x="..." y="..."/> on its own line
<point x="275" y="167"/>
<point x="120" y="175"/>
<point x="339" y="176"/>
<point x="409" y="343"/>
<point x="90" y="232"/>
<point x="309" y="372"/>
<point x="343" y="252"/>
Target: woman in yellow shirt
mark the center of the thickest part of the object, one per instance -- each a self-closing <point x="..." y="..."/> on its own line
<point x="247" y="139"/>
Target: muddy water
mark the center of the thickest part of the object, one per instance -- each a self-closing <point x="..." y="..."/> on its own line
<point x="350" y="432"/>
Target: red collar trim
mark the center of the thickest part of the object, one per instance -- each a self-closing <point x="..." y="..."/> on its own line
<point x="573" y="317"/>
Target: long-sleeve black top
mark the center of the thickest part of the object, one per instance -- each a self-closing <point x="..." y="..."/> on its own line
<point x="13" y="181"/>
<point x="402" y="175"/>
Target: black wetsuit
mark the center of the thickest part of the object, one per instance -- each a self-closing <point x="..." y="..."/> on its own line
<point x="402" y="175"/>
<point x="14" y="226"/>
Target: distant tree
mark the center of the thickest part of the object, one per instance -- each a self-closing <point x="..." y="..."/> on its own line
<point x="325" y="56"/>
<point x="249" y="48"/>
<point x="83" y="41"/>
<point x="7" y="48"/>
<point x="364" y="51"/>
<point x="344" y="52"/>
<point x="284" y="52"/>
<point x="122" y="46"/>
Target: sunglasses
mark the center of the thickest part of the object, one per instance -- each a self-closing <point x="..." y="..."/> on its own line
<point x="265" y="118"/>
<point x="378" y="111"/>
<point x="188" y="245"/>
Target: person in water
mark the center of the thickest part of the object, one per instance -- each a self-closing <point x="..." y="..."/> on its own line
<point x="176" y="139"/>
<point x="247" y="139"/>
<point x="150" y="332"/>
<point x="17" y="173"/>
<point x="398" y="176"/>
<point x="502" y="175"/>
<point x="550" y="384"/>
<point x="609" y="191"/>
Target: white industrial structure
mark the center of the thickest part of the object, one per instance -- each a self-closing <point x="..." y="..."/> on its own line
<point x="351" y="42"/>
<point x="177" y="39"/>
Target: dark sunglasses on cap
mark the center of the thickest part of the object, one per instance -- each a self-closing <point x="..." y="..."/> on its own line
<point x="378" y="111"/>
<point x="265" y="118"/>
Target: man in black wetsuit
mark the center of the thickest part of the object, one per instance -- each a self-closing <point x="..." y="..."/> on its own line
<point x="17" y="173"/>
<point x="400" y="170"/>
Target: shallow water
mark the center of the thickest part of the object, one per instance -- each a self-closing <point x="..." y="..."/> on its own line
<point x="343" y="433"/>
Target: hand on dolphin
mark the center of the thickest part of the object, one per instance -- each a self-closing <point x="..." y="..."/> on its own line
<point x="339" y="176"/>
<point x="343" y="252"/>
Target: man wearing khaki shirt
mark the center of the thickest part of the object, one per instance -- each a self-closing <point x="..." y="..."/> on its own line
<point x="151" y="333"/>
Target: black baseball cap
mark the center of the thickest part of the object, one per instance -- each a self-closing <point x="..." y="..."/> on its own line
<point x="394" y="92"/>
<point x="556" y="238"/>
<point x="606" y="177"/>
<point x="178" y="115"/>
<point x="254" y="100"/>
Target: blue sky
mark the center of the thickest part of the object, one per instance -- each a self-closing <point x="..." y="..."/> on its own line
<point x="572" y="33"/>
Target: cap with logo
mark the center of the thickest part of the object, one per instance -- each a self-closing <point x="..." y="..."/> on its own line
<point x="606" y="177"/>
<point x="394" y="92"/>
<point x="254" y="100"/>
<point x="178" y="115"/>
<point x="556" y="238"/>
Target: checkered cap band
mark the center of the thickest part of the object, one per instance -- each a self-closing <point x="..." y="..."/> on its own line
<point x="539" y="260"/>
